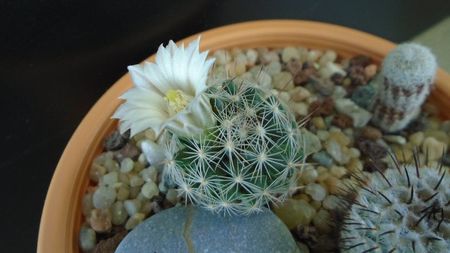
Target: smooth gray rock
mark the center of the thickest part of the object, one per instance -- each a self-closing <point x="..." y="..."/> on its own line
<point x="190" y="229"/>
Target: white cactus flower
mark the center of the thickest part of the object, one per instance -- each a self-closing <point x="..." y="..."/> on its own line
<point x="168" y="94"/>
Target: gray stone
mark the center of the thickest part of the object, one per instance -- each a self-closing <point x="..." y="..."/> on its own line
<point x="311" y="142"/>
<point x="323" y="158"/>
<point x="360" y="116"/>
<point x="364" y="96"/>
<point x="190" y="229"/>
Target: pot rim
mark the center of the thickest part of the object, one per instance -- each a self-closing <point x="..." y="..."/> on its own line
<point x="61" y="216"/>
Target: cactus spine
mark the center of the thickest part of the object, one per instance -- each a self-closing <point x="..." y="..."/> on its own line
<point x="406" y="209"/>
<point x="248" y="160"/>
<point x="404" y="83"/>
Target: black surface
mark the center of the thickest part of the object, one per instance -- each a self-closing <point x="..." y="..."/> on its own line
<point x="58" y="57"/>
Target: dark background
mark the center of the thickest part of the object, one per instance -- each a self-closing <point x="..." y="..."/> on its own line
<point x="58" y="57"/>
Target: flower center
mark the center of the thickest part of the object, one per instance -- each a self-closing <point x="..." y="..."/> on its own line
<point x="177" y="100"/>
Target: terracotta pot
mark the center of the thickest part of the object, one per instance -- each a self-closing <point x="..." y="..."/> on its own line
<point x="61" y="217"/>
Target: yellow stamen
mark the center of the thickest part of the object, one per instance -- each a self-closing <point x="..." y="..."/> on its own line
<point x="176" y="100"/>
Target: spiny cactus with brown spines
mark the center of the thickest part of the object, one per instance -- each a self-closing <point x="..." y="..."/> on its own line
<point x="403" y="85"/>
<point x="404" y="209"/>
<point x="248" y="160"/>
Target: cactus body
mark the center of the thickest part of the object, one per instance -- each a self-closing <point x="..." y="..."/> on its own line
<point x="246" y="161"/>
<point x="404" y="210"/>
<point x="404" y="83"/>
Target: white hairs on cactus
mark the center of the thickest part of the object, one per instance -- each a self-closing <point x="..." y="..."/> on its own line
<point x="248" y="160"/>
<point x="404" y="83"/>
<point x="405" y="209"/>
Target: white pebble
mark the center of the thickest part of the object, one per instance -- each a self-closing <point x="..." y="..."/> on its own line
<point x="328" y="56"/>
<point x="284" y="96"/>
<point x="316" y="191"/>
<point x="222" y="57"/>
<point x="329" y="69"/>
<point x="136" y="180"/>
<point x="322" y="134"/>
<point x="322" y="221"/>
<point x="123" y="192"/>
<point x="273" y="68"/>
<point x="124" y="178"/>
<point x="111" y="165"/>
<point x="252" y="56"/>
<point x="303" y="53"/>
<point x="104" y="197"/>
<point x="313" y="55"/>
<point x="119" y="214"/>
<point x="282" y="80"/>
<point x="132" y="206"/>
<point x="299" y="94"/>
<point x="149" y="174"/>
<point x="87" y="204"/>
<point x="240" y="64"/>
<point x="331" y="202"/>
<point x="134" y="220"/>
<point x="110" y="179"/>
<point x="395" y="139"/>
<point x="309" y="175"/>
<point x="269" y="57"/>
<point x="172" y="196"/>
<point x="338" y="171"/>
<point x="96" y="172"/>
<point x="126" y="165"/>
<point x="300" y="108"/>
<point x="150" y="190"/>
<point x="264" y="80"/>
<point x="354" y="152"/>
<point x="290" y="53"/>
<point x="87" y="239"/>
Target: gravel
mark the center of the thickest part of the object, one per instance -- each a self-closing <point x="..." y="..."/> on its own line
<point x="333" y="95"/>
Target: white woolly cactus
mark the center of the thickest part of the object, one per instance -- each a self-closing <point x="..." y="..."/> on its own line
<point x="248" y="160"/>
<point x="404" y="83"/>
<point x="406" y="209"/>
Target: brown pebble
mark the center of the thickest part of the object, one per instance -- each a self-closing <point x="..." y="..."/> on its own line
<point x="337" y="78"/>
<point x="371" y="149"/>
<point x="342" y="121"/>
<point x="370" y="71"/>
<point x="116" y="141"/>
<point x="306" y="233"/>
<point x="305" y="74"/>
<point x="110" y="245"/>
<point x="323" y="86"/>
<point x="322" y="108"/>
<point x="371" y="133"/>
<point x="360" y="60"/>
<point x="129" y="150"/>
<point x="294" y="66"/>
<point x="100" y="220"/>
<point x="357" y="75"/>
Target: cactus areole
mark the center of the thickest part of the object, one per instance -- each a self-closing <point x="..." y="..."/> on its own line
<point x="249" y="159"/>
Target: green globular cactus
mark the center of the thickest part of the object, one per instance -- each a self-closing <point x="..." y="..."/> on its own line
<point x="402" y="210"/>
<point x="248" y="160"/>
<point x="404" y="83"/>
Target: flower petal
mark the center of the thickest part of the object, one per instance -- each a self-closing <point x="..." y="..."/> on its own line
<point x="153" y="152"/>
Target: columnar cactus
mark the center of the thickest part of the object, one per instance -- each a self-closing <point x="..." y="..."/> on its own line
<point x="248" y="160"/>
<point x="402" y="210"/>
<point x="404" y="83"/>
